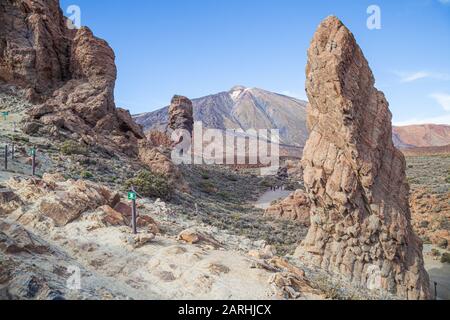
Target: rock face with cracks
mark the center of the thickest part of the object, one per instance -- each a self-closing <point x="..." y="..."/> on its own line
<point x="70" y="74"/>
<point x="354" y="176"/>
<point x="181" y="114"/>
<point x="295" y="207"/>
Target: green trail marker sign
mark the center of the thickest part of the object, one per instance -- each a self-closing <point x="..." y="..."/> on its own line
<point x="5" y="114"/>
<point x="33" y="152"/>
<point x="131" y="195"/>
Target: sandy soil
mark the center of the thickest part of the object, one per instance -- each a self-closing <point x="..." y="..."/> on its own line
<point x="267" y="198"/>
<point x="439" y="272"/>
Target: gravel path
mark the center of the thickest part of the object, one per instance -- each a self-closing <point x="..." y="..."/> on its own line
<point x="267" y="198"/>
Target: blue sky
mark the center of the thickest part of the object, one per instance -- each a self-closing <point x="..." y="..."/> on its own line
<point x="200" y="47"/>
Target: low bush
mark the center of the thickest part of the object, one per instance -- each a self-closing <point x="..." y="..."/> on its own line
<point x="86" y="175"/>
<point x="152" y="185"/>
<point x="70" y="147"/>
<point x="445" y="257"/>
<point x="207" y="187"/>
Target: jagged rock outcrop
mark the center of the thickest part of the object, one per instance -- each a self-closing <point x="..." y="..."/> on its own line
<point x="354" y="176"/>
<point x="70" y="74"/>
<point x="157" y="159"/>
<point x="295" y="208"/>
<point x="181" y="114"/>
<point x="155" y="151"/>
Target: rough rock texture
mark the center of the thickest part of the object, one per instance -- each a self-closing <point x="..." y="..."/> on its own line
<point x="157" y="161"/>
<point x="181" y="114"/>
<point x="70" y="72"/>
<point x="295" y="207"/>
<point x="34" y="45"/>
<point x="159" y="139"/>
<point x="62" y="202"/>
<point x="354" y="176"/>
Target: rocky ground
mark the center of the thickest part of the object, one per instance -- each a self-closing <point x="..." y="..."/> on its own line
<point x="39" y="256"/>
<point x="209" y="243"/>
<point x="429" y="178"/>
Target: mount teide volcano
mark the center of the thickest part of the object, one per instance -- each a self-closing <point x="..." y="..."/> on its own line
<point x="243" y="108"/>
<point x="253" y="108"/>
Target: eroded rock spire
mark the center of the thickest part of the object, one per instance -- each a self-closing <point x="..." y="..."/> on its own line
<point x="355" y="177"/>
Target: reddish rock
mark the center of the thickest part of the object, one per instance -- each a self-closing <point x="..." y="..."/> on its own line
<point x="112" y="217"/>
<point x="15" y="239"/>
<point x="123" y="208"/>
<point x="157" y="161"/>
<point x="295" y="207"/>
<point x="159" y="139"/>
<point x="80" y="196"/>
<point x="181" y="114"/>
<point x="70" y="72"/>
<point x="354" y="176"/>
<point x="149" y="223"/>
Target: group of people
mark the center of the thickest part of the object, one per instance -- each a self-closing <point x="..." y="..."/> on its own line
<point x="275" y="188"/>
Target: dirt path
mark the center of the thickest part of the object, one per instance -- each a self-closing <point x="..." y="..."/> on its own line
<point x="439" y="273"/>
<point x="267" y="198"/>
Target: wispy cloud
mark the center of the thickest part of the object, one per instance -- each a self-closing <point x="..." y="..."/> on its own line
<point x="297" y="95"/>
<point x="444" y="119"/>
<point x="418" y="75"/>
<point x="444" y="1"/>
<point x="443" y="99"/>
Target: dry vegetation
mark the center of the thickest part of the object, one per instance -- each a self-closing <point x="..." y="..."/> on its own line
<point x="429" y="177"/>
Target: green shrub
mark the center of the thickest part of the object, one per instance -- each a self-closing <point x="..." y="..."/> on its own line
<point x="232" y="178"/>
<point x="86" y="175"/>
<point x="225" y="195"/>
<point x="149" y="184"/>
<point x="435" y="253"/>
<point x="443" y="244"/>
<point x="445" y="257"/>
<point x="205" y="176"/>
<point x="70" y="147"/>
<point x="207" y="187"/>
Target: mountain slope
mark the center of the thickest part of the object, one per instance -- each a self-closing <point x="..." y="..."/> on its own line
<point x="246" y="108"/>
<point x="427" y="135"/>
<point x="243" y="108"/>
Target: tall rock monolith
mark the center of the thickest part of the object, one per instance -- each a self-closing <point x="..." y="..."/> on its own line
<point x="354" y="176"/>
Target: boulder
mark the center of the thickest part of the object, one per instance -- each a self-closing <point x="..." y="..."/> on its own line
<point x="295" y="208"/>
<point x="15" y="239"/>
<point x="66" y="206"/>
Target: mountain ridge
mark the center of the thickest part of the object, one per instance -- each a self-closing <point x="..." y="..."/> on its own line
<point x="244" y="108"/>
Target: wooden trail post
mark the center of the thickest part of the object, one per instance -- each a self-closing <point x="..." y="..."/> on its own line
<point x="12" y="151"/>
<point x="6" y="157"/>
<point x="33" y="161"/>
<point x="435" y="290"/>
<point x="132" y="196"/>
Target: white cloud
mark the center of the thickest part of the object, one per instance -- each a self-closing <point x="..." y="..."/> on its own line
<point x="444" y="1"/>
<point x="297" y="95"/>
<point x="443" y="99"/>
<point x="444" y="119"/>
<point x="417" y="75"/>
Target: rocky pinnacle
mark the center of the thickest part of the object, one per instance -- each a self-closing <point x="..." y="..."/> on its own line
<point x="181" y="114"/>
<point x="354" y="176"/>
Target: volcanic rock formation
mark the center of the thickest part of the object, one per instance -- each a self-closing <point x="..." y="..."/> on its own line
<point x="181" y="114"/>
<point x="295" y="207"/>
<point x="69" y="72"/>
<point x="354" y="176"/>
